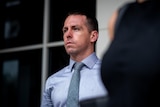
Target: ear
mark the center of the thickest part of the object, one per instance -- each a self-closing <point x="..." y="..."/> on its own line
<point x="94" y="36"/>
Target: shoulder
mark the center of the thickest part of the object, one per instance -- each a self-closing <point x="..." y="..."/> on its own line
<point x="52" y="78"/>
<point x="115" y="18"/>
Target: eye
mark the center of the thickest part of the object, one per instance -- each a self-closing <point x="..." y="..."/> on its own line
<point x="64" y="30"/>
<point x="76" y="28"/>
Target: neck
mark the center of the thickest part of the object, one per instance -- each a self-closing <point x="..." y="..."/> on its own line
<point x="79" y="58"/>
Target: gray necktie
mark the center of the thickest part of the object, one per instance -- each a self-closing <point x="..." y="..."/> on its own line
<point x="73" y="92"/>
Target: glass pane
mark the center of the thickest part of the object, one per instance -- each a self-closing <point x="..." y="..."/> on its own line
<point x="21" y="79"/>
<point x="60" y="8"/>
<point x="21" y="23"/>
<point x="58" y="58"/>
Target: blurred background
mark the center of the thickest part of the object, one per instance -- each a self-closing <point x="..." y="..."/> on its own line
<point x="31" y="44"/>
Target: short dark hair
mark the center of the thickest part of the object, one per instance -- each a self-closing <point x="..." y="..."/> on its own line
<point x="92" y="21"/>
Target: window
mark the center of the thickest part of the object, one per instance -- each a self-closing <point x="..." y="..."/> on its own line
<point x="21" y="23"/>
<point x="21" y="76"/>
<point x="31" y="46"/>
<point x="58" y="58"/>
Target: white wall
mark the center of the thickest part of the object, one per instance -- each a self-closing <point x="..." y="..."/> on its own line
<point x="105" y="8"/>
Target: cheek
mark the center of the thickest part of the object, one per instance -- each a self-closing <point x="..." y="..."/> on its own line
<point x="82" y="38"/>
<point x="85" y="41"/>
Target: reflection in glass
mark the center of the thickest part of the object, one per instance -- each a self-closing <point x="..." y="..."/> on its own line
<point x="10" y="75"/>
<point x="21" y="79"/>
<point x="10" y="71"/>
<point x="21" y="23"/>
<point x="12" y="29"/>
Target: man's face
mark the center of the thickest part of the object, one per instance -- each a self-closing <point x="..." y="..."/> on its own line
<point x="77" y="38"/>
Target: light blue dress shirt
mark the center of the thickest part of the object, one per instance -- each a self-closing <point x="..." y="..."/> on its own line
<point x="91" y="86"/>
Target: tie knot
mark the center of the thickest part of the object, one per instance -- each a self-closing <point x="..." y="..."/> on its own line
<point x="78" y="65"/>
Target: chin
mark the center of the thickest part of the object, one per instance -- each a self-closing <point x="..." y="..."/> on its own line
<point x="71" y="52"/>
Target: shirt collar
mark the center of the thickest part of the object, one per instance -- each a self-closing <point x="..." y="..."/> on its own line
<point x="89" y="61"/>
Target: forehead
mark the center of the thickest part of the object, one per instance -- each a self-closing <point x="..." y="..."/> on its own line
<point x="75" y="19"/>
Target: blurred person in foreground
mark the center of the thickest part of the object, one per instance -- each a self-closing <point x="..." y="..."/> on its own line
<point x="130" y="67"/>
<point x="80" y="33"/>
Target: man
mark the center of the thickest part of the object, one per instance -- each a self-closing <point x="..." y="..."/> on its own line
<point x="80" y="33"/>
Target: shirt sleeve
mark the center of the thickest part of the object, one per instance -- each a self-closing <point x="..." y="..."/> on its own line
<point x="46" y="97"/>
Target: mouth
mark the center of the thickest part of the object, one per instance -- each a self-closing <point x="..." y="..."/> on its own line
<point x="68" y="43"/>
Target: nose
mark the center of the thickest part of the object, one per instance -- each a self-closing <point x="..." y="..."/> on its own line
<point x="68" y="34"/>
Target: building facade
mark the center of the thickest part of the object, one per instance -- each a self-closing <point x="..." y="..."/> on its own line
<point x="31" y="44"/>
